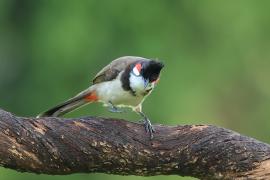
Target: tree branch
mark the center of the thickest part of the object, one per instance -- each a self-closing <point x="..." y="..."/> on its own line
<point x="91" y="144"/>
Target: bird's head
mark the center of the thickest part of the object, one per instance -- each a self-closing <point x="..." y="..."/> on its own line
<point x="145" y="74"/>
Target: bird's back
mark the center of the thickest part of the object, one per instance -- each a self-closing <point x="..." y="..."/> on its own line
<point x="111" y="71"/>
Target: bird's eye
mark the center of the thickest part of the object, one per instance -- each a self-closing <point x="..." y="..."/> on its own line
<point x="137" y="69"/>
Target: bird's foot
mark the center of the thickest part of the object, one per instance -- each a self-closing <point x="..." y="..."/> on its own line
<point x="114" y="109"/>
<point x="148" y="127"/>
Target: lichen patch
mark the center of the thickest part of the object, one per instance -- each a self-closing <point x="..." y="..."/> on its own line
<point x="261" y="172"/>
<point x="198" y="127"/>
<point x="84" y="126"/>
<point x="79" y="124"/>
<point x="38" y="127"/>
<point x="16" y="153"/>
<point x="32" y="156"/>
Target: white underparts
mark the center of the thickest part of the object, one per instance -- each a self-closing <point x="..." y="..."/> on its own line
<point x="112" y="91"/>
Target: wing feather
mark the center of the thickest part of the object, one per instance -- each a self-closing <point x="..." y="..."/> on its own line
<point x="112" y="70"/>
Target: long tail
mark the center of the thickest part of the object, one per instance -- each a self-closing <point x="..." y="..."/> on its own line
<point x="85" y="97"/>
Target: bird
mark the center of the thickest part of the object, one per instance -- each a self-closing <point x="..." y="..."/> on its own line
<point x="125" y="82"/>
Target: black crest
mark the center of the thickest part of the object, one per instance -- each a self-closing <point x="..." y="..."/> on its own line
<point x="151" y="70"/>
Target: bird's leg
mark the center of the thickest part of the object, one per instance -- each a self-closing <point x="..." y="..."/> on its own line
<point x="147" y="124"/>
<point x="113" y="108"/>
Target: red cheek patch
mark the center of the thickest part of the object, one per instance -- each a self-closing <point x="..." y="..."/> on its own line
<point x="139" y="67"/>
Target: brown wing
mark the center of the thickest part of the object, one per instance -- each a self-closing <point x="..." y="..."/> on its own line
<point x="112" y="70"/>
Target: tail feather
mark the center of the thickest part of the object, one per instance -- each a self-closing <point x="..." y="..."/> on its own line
<point x="74" y="103"/>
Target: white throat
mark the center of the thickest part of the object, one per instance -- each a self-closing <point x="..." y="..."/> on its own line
<point x="137" y="84"/>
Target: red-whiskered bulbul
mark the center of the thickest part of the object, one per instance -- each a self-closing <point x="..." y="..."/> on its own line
<point x="125" y="82"/>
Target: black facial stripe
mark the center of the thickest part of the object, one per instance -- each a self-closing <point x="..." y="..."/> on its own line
<point x="125" y="81"/>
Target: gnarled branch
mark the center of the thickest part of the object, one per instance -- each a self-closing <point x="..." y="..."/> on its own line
<point x="91" y="144"/>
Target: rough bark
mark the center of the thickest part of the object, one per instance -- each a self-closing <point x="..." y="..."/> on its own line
<point x="93" y="144"/>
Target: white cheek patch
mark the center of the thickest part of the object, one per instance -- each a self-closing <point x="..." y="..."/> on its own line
<point x="136" y="71"/>
<point x="136" y="82"/>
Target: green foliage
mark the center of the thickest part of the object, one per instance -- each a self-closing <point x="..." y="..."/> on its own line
<point x="216" y="55"/>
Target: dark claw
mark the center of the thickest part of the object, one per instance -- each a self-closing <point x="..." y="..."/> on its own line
<point x="115" y="110"/>
<point x="148" y="127"/>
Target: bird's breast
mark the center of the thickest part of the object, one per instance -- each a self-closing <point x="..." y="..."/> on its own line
<point x="112" y="91"/>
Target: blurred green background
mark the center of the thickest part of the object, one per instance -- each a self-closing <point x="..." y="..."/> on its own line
<point x="216" y="55"/>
